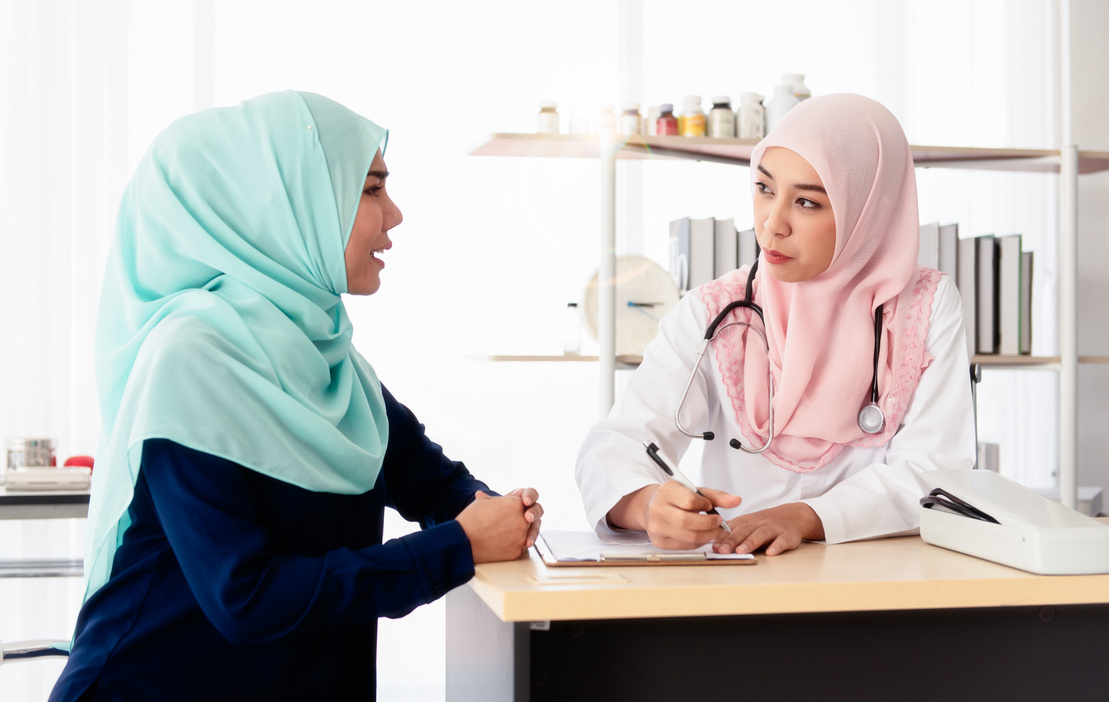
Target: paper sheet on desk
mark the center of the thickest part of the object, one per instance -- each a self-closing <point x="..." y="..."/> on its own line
<point x="584" y="548"/>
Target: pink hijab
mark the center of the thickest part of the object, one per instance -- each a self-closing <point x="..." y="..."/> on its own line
<point x="821" y="331"/>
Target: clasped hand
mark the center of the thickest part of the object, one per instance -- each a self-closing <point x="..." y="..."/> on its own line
<point x="501" y="528"/>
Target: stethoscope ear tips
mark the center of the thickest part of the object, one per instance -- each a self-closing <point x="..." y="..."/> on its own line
<point x="871" y="419"/>
<point x="734" y="443"/>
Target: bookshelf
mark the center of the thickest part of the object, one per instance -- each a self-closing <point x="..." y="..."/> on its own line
<point x="1068" y="162"/>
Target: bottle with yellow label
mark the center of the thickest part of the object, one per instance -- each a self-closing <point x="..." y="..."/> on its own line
<point x="692" y="120"/>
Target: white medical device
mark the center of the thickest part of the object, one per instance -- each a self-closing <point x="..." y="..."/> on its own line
<point x="983" y="514"/>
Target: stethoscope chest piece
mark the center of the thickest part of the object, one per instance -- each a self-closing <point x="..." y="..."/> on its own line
<point x="871" y="419"/>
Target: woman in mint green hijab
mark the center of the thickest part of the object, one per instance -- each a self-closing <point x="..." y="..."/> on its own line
<point x="248" y="451"/>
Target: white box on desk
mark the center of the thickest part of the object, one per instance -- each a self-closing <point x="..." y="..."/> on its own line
<point x="1033" y="533"/>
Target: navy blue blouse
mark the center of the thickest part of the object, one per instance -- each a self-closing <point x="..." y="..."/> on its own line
<point x="233" y="585"/>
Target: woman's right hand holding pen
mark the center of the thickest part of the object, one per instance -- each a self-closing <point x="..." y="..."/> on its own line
<point x="673" y="515"/>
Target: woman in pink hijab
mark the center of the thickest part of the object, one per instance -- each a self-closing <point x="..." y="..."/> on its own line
<point x="847" y="319"/>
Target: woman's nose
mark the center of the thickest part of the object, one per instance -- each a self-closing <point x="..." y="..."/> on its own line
<point x="777" y="221"/>
<point x="393" y="216"/>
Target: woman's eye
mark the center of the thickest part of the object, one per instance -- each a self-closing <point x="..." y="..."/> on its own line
<point x="761" y="187"/>
<point x="808" y="204"/>
<point x="373" y="190"/>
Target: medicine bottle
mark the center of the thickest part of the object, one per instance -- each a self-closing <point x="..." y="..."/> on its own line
<point x="721" y="122"/>
<point x="797" y="80"/>
<point x="691" y="123"/>
<point x="571" y="330"/>
<point x="548" y="117"/>
<point x="667" y="123"/>
<point x="580" y="121"/>
<point x="782" y="102"/>
<point x="750" y="117"/>
<point x="650" y="122"/>
<point x="607" y="122"/>
<point x="630" y="121"/>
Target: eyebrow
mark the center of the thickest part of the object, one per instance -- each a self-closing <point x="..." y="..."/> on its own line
<point x="381" y="175"/>
<point x="812" y="187"/>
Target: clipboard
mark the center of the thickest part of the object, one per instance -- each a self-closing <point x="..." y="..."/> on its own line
<point x="584" y="549"/>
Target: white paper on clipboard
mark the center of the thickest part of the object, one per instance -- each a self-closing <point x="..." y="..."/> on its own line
<point x="583" y="548"/>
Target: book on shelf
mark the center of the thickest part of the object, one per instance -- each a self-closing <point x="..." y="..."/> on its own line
<point x="928" y="255"/>
<point x="692" y="252"/>
<point x="986" y="280"/>
<point x="727" y="244"/>
<point x="679" y="253"/>
<point x="1008" y="294"/>
<point x="948" y="258"/>
<point x="1026" y="260"/>
<point x="748" y="248"/>
<point x="994" y="277"/>
<point x="966" y="281"/>
<point x="702" y="251"/>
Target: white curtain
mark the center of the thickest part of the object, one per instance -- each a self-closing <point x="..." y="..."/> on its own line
<point x="64" y="120"/>
<point x="65" y="125"/>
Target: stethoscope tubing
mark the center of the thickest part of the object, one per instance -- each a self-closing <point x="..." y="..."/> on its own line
<point x="871" y="418"/>
<point x="708" y="435"/>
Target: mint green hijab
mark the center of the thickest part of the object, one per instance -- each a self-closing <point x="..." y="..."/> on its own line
<point x="221" y="325"/>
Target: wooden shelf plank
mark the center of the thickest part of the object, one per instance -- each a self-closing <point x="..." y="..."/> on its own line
<point x="738" y="151"/>
<point x="996" y="361"/>
<point x="986" y="360"/>
<point x="627" y="359"/>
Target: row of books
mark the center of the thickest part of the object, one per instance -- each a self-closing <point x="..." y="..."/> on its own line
<point x="705" y="249"/>
<point x="993" y="273"/>
<point x="994" y="277"/>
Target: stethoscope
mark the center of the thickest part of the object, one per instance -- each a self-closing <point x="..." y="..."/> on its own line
<point x="871" y="418"/>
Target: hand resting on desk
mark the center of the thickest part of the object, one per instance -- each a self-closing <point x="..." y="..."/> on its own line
<point x="780" y="529"/>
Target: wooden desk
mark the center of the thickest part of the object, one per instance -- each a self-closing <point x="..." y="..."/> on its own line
<point x="893" y="619"/>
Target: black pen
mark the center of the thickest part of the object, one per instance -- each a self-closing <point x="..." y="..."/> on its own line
<point x="672" y="470"/>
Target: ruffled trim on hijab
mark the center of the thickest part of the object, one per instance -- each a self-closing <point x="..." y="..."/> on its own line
<point x="910" y="358"/>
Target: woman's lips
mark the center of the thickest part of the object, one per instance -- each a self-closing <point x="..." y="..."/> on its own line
<point x="773" y="256"/>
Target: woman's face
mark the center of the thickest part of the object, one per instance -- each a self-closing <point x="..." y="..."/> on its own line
<point x="377" y="214"/>
<point x="793" y="217"/>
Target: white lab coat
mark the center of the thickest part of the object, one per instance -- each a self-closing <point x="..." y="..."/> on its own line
<point x="862" y="493"/>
